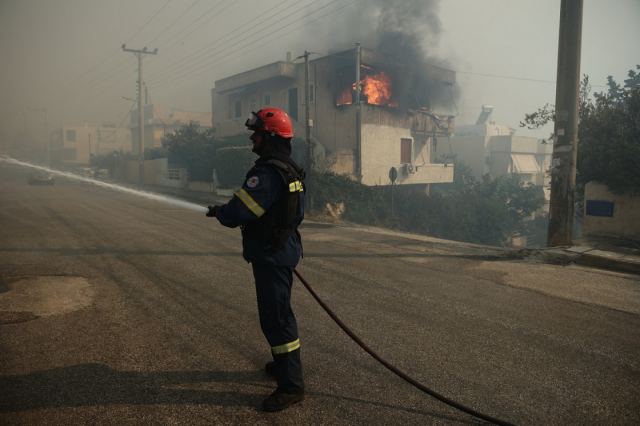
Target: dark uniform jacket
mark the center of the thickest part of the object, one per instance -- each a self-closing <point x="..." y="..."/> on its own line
<point x="262" y="195"/>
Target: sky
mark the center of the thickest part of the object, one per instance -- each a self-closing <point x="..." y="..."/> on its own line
<point x="62" y="60"/>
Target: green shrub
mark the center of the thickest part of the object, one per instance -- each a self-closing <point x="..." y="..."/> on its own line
<point x="485" y="212"/>
<point x="232" y="163"/>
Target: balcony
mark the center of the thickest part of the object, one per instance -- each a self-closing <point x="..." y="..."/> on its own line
<point x="428" y="173"/>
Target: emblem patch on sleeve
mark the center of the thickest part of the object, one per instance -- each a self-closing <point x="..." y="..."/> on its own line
<point x="253" y="181"/>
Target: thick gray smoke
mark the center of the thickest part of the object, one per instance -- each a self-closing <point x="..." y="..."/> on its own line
<point x="376" y="22"/>
<point x="410" y="31"/>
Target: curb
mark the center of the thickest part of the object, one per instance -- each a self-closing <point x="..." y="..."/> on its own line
<point x="610" y="262"/>
<point x="593" y="258"/>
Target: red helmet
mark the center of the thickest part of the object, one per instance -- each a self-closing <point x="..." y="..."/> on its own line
<point x="271" y="120"/>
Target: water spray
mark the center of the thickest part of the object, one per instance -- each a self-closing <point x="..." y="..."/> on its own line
<point x="139" y="193"/>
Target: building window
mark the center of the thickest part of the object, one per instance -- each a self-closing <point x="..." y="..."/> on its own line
<point x="267" y="99"/>
<point x="70" y="135"/>
<point x="405" y="150"/>
<point x="237" y="108"/>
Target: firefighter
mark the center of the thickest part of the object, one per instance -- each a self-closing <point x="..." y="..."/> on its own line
<point x="269" y="208"/>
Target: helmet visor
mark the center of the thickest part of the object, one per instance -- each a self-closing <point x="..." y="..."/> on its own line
<point x="254" y="122"/>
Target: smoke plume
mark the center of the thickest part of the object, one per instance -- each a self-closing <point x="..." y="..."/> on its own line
<point x="408" y="30"/>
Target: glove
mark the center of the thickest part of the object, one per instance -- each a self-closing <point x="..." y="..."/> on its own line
<point x="212" y="211"/>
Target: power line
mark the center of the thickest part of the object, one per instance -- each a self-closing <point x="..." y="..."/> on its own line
<point x="118" y="68"/>
<point x="113" y="53"/>
<point x="202" y="16"/>
<point x="161" y="33"/>
<point x="176" y="38"/>
<point x="216" y="58"/>
<point x="92" y="96"/>
<point x="236" y="52"/>
<point x="148" y="21"/>
<point x="113" y="71"/>
<point x="512" y="77"/>
<point x="185" y="62"/>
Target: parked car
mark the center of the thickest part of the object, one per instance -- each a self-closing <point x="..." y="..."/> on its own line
<point x="41" y="178"/>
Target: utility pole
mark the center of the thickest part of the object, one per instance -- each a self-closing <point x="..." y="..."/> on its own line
<point x="565" y="146"/>
<point x="307" y="117"/>
<point x="307" y="109"/>
<point x="358" y="162"/>
<point x="139" y="53"/>
<point x="47" y="138"/>
<point x="307" y="124"/>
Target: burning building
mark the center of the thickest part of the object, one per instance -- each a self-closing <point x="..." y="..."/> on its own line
<point x="369" y="113"/>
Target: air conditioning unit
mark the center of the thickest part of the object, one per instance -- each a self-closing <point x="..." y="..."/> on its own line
<point x="408" y="168"/>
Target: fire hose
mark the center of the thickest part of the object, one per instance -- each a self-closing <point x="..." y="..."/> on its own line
<point x="392" y="368"/>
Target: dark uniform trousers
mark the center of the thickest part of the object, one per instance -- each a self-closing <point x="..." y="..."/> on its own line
<point x="278" y="323"/>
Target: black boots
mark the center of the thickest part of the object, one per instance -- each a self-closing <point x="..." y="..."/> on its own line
<point x="286" y="369"/>
<point x="279" y="400"/>
<point x="270" y="369"/>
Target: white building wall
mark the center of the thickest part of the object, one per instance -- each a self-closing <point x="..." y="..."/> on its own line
<point x="381" y="150"/>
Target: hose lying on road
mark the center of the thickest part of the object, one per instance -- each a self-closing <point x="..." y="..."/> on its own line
<point x="391" y="367"/>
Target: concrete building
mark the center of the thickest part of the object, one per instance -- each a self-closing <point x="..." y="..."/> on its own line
<point x="393" y="129"/>
<point x="494" y="149"/>
<point x="74" y="145"/>
<point x="610" y="215"/>
<point x="160" y="121"/>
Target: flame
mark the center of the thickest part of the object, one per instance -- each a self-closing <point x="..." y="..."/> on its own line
<point x="376" y="90"/>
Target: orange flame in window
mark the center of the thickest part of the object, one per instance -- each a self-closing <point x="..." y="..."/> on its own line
<point x="376" y="90"/>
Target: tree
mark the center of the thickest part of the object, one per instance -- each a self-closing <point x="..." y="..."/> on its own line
<point x="194" y="148"/>
<point x="608" y="133"/>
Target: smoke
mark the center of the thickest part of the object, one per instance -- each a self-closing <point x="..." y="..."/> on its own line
<point x="409" y="31"/>
<point x="375" y="23"/>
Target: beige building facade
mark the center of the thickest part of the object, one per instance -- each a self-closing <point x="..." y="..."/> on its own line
<point x="364" y="142"/>
<point x="75" y="145"/>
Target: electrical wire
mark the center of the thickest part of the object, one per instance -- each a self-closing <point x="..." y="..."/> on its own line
<point x="216" y="49"/>
<point x="148" y="21"/>
<point x="177" y="38"/>
<point x="511" y="77"/>
<point x="393" y="369"/>
<point x="109" y="56"/>
<point x="205" y="67"/>
<point x="164" y="31"/>
<point x="228" y="34"/>
<point x="121" y="66"/>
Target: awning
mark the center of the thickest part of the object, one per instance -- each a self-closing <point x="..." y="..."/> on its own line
<point x="524" y="163"/>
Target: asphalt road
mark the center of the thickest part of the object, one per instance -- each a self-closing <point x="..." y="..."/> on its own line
<point x="120" y="310"/>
